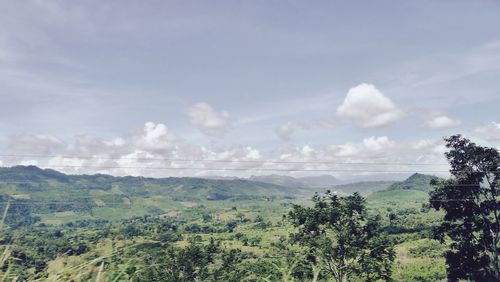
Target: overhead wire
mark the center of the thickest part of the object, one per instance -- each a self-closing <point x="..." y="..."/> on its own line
<point x="218" y="160"/>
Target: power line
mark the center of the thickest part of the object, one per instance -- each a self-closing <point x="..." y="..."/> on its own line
<point x="241" y="169"/>
<point x="252" y="169"/>
<point x="220" y="160"/>
<point x="339" y="185"/>
<point x="127" y="204"/>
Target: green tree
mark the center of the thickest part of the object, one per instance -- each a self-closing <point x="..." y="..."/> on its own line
<point x="469" y="200"/>
<point x="339" y="235"/>
<point x="190" y="263"/>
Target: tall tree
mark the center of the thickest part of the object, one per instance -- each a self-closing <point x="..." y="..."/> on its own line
<point x="339" y="235"/>
<point x="470" y="201"/>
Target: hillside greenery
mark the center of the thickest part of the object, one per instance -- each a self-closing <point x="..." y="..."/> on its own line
<point x="58" y="227"/>
<point x="417" y="181"/>
<point x="62" y="227"/>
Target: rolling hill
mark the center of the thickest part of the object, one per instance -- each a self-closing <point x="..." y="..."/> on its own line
<point x="34" y="193"/>
<point x="414" y="191"/>
<point x="34" y="181"/>
<point x="417" y="181"/>
<point x="52" y="196"/>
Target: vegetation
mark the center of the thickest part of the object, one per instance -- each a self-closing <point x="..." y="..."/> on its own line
<point x="417" y="181"/>
<point x="58" y="227"/>
<point x="339" y="235"/>
<point x="471" y="205"/>
<point x="49" y="235"/>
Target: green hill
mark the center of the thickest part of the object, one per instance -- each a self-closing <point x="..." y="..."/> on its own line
<point x="32" y="180"/>
<point x="412" y="192"/>
<point x="417" y="181"/>
<point x="52" y="196"/>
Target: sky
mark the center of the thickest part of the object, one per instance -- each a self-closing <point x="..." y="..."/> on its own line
<point x="236" y="88"/>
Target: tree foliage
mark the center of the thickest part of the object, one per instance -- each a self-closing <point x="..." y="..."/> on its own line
<point x="339" y="235"/>
<point x="471" y="205"/>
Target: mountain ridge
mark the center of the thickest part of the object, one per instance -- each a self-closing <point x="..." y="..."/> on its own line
<point x="297" y="182"/>
<point x="417" y="181"/>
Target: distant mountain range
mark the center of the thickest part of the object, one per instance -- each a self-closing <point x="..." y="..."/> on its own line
<point x="297" y="182"/>
<point x="324" y="182"/>
<point x="51" y="194"/>
<point x="416" y="181"/>
<point x="31" y="179"/>
<point x="34" y="180"/>
<point x="33" y="194"/>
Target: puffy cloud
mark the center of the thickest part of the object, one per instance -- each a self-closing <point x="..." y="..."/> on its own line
<point x="368" y="107"/>
<point x="208" y="120"/>
<point x="442" y="122"/>
<point x="253" y="154"/>
<point x="285" y="131"/>
<point x="155" y="138"/>
<point x="89" y="154"/>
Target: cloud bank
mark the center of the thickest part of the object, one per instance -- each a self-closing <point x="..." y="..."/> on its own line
<point x="155" y="151"/>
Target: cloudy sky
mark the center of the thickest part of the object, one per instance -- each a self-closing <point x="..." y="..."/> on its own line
<point x="134" y="87"/>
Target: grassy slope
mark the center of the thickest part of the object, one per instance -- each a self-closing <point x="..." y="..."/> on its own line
<point x="417" y="259"/>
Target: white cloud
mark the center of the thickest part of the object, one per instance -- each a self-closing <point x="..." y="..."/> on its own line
<point x="285" y="131"/>
<point x="368" y="107"/>
<point x="369" y="146"/>
<point x="253" y="154"/>
<point x="28" y="162"/>
<point x="67" y="164"/>
<point x="442" y="122"/>
<point x="154" y="146"/>
<point x="153" y="149"/>
<point x="208" y="120"/>
<point x="155" y="138"/>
